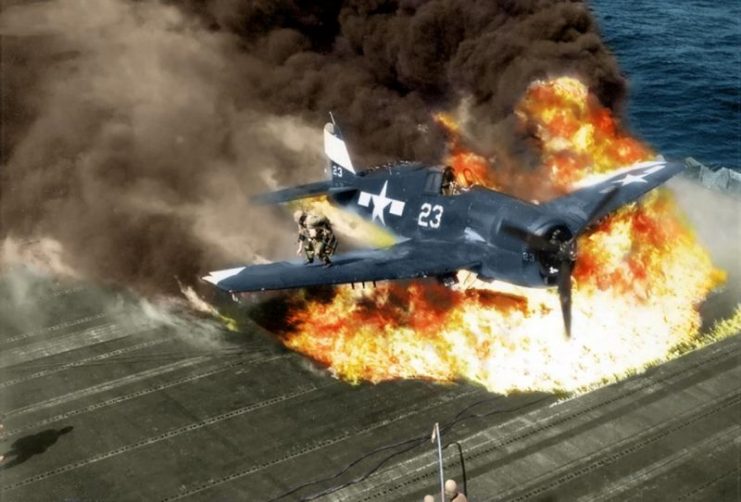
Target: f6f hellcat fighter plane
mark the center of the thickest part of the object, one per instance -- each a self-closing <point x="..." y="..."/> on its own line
<point x="442" y="230"/>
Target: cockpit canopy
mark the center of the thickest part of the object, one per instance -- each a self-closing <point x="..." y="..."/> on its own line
<point x="442" y="181"/>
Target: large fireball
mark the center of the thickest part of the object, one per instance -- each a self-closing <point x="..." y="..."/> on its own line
<point x="639" y="280"/>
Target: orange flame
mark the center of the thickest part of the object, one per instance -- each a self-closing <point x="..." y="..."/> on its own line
<point x="578" y="136"/>
<point x="640" y="277"/>
<point x="469" y="167"/>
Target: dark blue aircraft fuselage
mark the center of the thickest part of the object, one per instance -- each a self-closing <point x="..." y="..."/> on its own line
<point x="444" y="229"/>
<point x="409" y="201"/>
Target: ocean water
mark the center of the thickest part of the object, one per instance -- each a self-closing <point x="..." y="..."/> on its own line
<point x="682" y="59"/>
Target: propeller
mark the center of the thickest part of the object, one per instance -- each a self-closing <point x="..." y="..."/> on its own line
<point x="564" y="253"/>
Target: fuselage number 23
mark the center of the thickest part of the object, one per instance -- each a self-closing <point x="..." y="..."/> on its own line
<point x="430" y="216"/>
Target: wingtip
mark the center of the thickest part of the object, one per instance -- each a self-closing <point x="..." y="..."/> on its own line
<point x="209" y="278"/>
<point x="218" y="276"/>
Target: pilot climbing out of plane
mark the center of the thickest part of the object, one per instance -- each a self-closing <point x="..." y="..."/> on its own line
<point x="316" y="237"/>
<point x="305" y="242"/>
<point x="322" y="236"/>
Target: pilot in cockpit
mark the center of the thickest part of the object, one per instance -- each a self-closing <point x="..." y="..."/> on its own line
<point x="450" y="185"/>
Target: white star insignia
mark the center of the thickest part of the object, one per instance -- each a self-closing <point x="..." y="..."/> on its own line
<point x="630" y="179"/>
<point x="380" y="203"/>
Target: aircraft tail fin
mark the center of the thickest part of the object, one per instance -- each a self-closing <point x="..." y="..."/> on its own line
<point x="340" y="165"/>
<point x="342" y="173"/>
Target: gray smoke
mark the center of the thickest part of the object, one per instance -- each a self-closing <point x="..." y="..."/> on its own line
<point x="133" y="131"/>
<point x="716" y="217"/>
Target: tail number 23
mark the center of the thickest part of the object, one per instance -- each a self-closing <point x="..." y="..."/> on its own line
<point x="430" y="216"/>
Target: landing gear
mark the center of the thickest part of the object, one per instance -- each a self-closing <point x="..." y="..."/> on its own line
<point x="448" y="280"/>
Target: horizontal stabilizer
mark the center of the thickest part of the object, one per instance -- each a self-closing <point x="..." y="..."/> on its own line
<point x="301" y="192"/>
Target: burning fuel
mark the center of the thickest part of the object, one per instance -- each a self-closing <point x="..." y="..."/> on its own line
<point x="640" y="278"/>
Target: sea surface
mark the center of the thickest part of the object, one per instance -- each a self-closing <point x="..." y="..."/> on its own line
<point x="682" y="59"/>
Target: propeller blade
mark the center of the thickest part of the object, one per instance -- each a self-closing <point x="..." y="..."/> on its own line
<point x="601" y="205"/>
<point x="532" y="240"/>
<point x="564" y="293"/>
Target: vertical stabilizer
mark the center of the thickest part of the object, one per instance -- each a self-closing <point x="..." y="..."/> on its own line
<point x="334" y="147"/>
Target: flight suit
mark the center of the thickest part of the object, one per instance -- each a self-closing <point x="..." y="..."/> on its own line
<point x="322" y="236"/>
<point x="306" y="241"/>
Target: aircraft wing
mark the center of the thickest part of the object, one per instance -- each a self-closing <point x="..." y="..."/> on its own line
<point x="406" y="260"/>
<point x="628" y="184"/>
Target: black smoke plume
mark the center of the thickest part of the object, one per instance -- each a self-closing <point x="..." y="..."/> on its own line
<point x="133" y="131"/>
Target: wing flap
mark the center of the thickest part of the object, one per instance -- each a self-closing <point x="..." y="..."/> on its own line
<point x="406" y="260"/>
